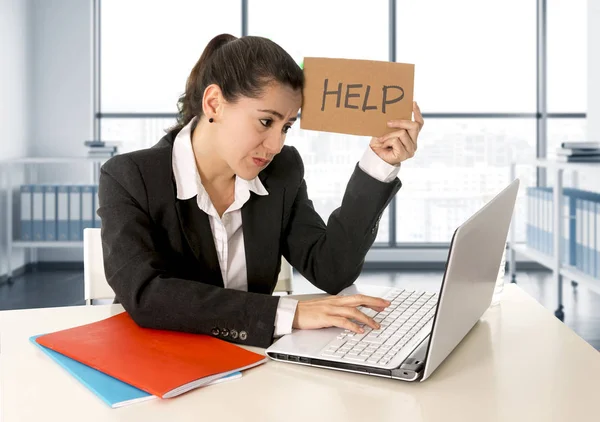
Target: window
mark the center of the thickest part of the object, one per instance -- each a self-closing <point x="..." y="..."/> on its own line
<point x="329" y="160"/>
<point x="333" y="28"/>
<point x="567" y="83"/>
<point x="466" y="61"/>
<point x="144" y="65"/>
<point x="470" y="56"/>
<point x="567" y="56"/>
<point x="461" y="164"/>
<point x="135" y="133"/>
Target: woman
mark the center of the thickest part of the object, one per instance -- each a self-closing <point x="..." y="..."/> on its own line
<point x="193" y="229"/>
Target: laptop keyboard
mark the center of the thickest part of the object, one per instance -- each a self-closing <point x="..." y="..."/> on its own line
<point x="407" y="314"/>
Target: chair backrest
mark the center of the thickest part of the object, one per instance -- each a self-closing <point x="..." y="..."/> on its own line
<point x="94" y="279"/>
<point x="284" y="280"/>
<point x="96" y="286"/>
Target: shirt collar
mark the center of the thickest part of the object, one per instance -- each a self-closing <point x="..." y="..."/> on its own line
<point x="187" y="178"/>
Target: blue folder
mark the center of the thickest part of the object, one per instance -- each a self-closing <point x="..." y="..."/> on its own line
<point x="62" y="212"/>
<point x="75" y="231"/>
<point x="37" y="211"/>
<point x="112" y="391"/>
<point x="50" y="212"/>
<point x="26" y="214"/>
<point x="87" y="207"/>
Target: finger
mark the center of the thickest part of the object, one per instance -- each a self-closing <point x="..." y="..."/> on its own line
<point x="342" y="322"/>
<point x="353" y="313"/>
<point x="412" y="128"/>
<point x="404" y="137"/>
<point x="399" y="147"/>
<point x="397" y="142"/>
<point x="418" y="121"/>
<point x="418" y="115"/>
<point x="376" y="308"/>
<point x="395" y="145"/>
<point x="409" y="144"/>
<point x="360" y="300"/>
<point x="404" y="124"/>
<point x="378" y="142"/>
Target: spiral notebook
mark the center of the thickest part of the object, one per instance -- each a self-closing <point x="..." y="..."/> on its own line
<point x="110" y="390"/>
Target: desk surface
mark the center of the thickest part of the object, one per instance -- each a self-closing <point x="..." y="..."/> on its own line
<point x="519" y="363"/>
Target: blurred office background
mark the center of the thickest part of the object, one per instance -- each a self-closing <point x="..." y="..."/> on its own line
<point x="499" y="82"/>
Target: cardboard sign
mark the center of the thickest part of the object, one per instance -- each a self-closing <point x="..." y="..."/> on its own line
<point x="356" y="97"/>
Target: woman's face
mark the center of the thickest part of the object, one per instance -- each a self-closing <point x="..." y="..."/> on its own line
<point x="253" y="129"/>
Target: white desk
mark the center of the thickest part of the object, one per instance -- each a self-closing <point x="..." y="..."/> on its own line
<point x="518" y="364"/>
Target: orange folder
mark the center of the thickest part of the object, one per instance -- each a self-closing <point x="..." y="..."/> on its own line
<point x="160" y="362"/>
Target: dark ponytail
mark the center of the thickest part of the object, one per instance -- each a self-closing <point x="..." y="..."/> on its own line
<point x="240" y="67"/>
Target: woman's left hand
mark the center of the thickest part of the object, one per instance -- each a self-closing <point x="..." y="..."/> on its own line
<point x="401" y="144"/>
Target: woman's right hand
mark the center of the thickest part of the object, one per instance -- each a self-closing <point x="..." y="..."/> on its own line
<point x="338" y="311"/>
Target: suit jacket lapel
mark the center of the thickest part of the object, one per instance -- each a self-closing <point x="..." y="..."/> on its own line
<point x="261" y="223"/>
<point x="196" y="229"/>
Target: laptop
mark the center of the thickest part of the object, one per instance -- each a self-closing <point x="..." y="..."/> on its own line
<point x="419" y="329"/>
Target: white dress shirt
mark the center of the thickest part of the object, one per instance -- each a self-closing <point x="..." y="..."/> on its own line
<point x="227" y="230"/>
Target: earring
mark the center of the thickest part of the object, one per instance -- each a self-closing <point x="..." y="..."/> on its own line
<point x="211" y="120"/>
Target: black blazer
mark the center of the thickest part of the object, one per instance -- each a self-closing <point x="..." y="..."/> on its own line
<point x="161" y="261"/>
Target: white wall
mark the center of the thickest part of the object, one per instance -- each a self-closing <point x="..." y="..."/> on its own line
<point x="62" y="76"/>
<point x="593" y="110"/>
<point x="62" y="87"/>
<point x="15" y="65"/>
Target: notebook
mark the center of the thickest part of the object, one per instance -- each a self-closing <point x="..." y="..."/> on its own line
<point x="160" y="362"/>
<point x="110" y="390"/>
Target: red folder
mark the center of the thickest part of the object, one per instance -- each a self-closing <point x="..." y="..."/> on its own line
<point x="160" y="362"/>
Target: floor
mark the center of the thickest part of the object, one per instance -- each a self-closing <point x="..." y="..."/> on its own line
<point x="65" y="288"/>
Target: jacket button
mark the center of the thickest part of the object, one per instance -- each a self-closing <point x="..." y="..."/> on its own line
<point x="224" y="332"/>
<point x="215" y="331"/>
<point x="234" y="334"/>
<point x="243" y="335"/>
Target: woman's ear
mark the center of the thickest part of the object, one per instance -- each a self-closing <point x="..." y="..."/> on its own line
<point x="212" y="101"/>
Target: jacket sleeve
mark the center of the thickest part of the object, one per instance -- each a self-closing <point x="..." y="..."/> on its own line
<point x="332" y="256"/>
<point x="149" y="293"/>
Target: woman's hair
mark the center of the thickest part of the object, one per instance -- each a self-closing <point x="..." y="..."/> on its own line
<point x="241" y="67"/>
